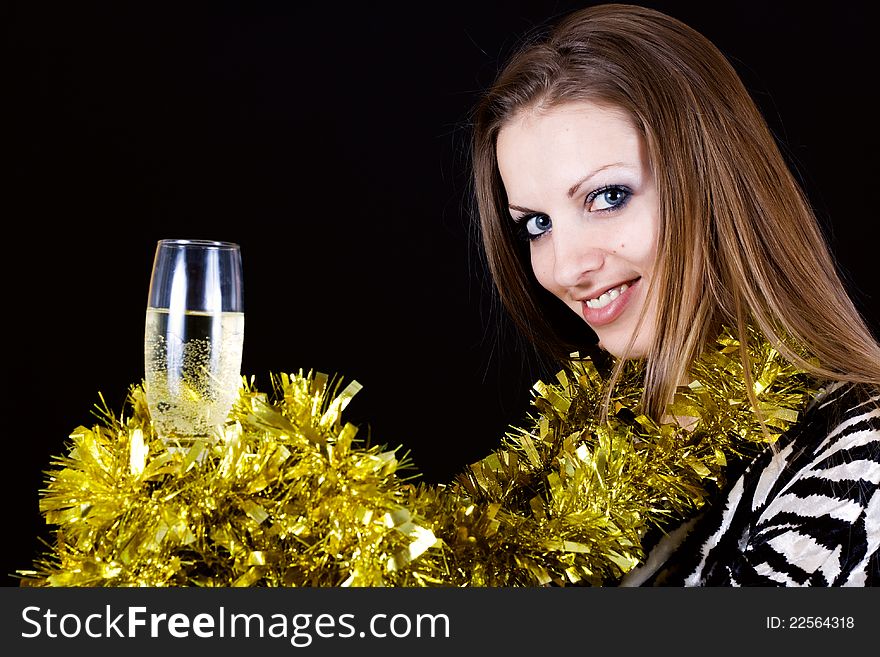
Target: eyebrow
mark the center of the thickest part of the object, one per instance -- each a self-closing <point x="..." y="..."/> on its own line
<point x="574" y="188"/>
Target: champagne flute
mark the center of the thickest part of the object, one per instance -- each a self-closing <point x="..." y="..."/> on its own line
<point x="193" y="337"/>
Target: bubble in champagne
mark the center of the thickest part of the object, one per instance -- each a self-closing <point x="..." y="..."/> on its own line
<point x="192" y="369"/>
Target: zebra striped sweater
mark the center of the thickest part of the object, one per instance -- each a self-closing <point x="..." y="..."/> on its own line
<point x="806" y="514"/>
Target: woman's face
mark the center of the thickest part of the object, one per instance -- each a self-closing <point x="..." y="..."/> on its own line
<point x="581" y="191"/>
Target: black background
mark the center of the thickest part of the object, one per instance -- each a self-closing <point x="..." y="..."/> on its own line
<point x="331" y="142"/>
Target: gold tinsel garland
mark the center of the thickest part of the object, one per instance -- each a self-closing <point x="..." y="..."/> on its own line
<point x="288" y="496"/>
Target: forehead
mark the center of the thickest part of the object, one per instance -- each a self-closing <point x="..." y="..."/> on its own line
<point x="564" y="141"/>
<point x="572" y="110"/>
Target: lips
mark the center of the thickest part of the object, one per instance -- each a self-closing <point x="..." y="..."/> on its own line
<point x="608" y="313"/>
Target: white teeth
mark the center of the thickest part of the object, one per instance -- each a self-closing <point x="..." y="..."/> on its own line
<point x="607" y="297"/>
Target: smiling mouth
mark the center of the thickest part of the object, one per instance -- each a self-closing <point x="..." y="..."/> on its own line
<point x="609" y="295"/>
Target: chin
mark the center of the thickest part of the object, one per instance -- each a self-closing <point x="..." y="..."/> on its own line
<point x="616" y="347"/>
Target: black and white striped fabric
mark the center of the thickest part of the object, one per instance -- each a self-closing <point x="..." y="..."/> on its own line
<point x="807" y="514"/>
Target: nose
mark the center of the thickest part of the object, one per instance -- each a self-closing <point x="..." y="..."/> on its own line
<point x="577" y="252"/>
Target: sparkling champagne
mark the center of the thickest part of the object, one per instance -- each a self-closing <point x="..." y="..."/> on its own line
<point x="192" y="369"/>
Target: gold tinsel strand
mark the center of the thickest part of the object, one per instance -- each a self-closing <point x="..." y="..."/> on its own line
<point x="288" y="496"/>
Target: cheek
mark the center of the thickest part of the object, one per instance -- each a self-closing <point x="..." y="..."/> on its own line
<point x="648" y="255"/>
<point x="639" y="248"/>
<point x="542" y="268"/>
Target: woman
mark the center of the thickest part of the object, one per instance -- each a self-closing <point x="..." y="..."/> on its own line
<point x="622" y="169"/>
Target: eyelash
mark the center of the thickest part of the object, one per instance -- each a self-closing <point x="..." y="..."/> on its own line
<point x="522" y="222"/>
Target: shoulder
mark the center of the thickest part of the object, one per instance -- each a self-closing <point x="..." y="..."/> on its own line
<point x="842" y="401"/>
<point x="806" y="513"/>
<point x="838" y="440"/>
<point x="842" y="426"/>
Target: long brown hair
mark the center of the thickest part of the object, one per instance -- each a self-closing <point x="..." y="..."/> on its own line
<point x="738" y="242"/>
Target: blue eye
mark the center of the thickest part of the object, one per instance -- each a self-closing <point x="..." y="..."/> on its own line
<point x="609" y="197"/>
<point x="534" y="225"/>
